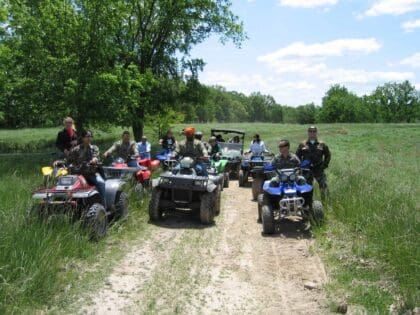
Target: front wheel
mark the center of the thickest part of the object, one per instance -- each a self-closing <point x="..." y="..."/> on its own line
<point x="121" y="205"/>
<point x="267" y="219"/>
<point x="206" y="209"/>
<point x="226" y="180"/>
<point x="241" y="178"/>
<point x="217" y="201"/>
<point x="317" y="213"/>
<point x="96" y="221"/>
<point x="257" y="184"/>
<point x="155" y="214"/>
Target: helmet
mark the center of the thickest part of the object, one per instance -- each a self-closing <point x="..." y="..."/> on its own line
<point x="198" y="135"/>
<point x="186" y="162"/>
<point x="190" y="131"/>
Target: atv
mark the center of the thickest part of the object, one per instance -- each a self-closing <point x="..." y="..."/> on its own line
<point x="220" y="167"/>
<point x="137" y="177"/>
<point x="287" y="194"/>
<point x="230" y="151"/>
<point x="180" y="187"/>
<point x="258" y="166"/>
<point x="165" y="155"/>
<point x="73" y="195"/>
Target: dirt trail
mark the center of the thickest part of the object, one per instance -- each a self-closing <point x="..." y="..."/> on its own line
<point x="229" y="268"/>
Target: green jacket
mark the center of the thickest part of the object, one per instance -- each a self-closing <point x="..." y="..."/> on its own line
<point x="280" y="162"/>
<point x="124" y="150"/>
<point x="193" y="149"/>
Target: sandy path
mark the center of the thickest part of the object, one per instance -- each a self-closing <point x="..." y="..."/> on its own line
<point x="229" y="268"/>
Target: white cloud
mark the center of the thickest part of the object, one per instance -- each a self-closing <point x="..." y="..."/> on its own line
<point x="307" y="3"/>
<point x="332" y="48"/>
<point x="359" y="76"/>
<point x="410" y="26"/>
<point x="417" y="85"/>
<point x="413" y="61"/>
<point x="392" y="7"/>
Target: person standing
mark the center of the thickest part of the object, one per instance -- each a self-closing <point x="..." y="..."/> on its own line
<point x="66" y="138"/>
<point x="319" y="156"/>
<point x="144" y="148"/>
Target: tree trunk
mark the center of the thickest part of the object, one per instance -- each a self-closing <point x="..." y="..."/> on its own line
<point x="138" y="124"/>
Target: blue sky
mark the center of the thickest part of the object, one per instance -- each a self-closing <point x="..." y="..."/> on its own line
<point x="298" y="48"/>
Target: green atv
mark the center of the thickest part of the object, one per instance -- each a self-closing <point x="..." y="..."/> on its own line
<point x="220" y="166"/>
<point x="231" y="143"/>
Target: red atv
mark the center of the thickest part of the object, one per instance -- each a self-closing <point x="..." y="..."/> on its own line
<point x="149" y="163"/>
<point x="73" y="195"/>
<point x="139" y="177"/>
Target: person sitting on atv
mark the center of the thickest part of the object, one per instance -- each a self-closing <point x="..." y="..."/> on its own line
<point x="257" y="146"/>
<point x="125" y="149"/>
<point x="86" y="153"/>
<point x="168" y="141"/>
<point x="214" y="147"/>
<point x="66" y="138"/>
<point x="235" y="139"/>
<point x="193" y="148"/>
<point x="285" y="159"/>
<point x="144" y="148"/>
<point x="219" y="138"/>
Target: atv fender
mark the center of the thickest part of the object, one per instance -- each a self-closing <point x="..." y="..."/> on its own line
<point x="211" y="186"/>
<point x="112" y="186"/>
<point x="155" y="182"/>
<point x="85" y="194"/>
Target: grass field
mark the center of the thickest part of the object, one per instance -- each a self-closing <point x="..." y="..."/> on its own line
<point x="370" y="242"/>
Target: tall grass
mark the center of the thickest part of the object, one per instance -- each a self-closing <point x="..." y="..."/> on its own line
<point x="373" y="213"/>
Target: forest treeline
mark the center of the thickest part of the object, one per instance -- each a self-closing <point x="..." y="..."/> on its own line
<point x="127" y="63"/>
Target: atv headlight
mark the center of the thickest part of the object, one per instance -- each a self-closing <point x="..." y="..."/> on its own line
<point x="165" y="180"/>
<point x="200" y="183"/>
<point x="283" y="177"/>
<point x="292" y="177"/>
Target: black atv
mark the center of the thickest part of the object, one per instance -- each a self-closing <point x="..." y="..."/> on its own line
<point x="182" y="188"/>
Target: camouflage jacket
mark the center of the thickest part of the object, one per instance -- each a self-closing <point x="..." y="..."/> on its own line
<point x="80" y="154"/>
<point x="193" y="149"/>
<point x="280" y="162"/>
<point x="124" y="150"/>
<point x="318" y="153"/>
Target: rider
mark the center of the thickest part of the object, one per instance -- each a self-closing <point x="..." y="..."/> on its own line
<point x="285" y="159"/>
<point x="168" y="141"/>
<point x="125" y="149"/>
<point x="66" y="138"/>
<point x="257" y="146"/>
<point x="214" y="147"/>
<point x="193" y="148"/>
<point x="88" y="153"/>
<point x="144" y="148"/>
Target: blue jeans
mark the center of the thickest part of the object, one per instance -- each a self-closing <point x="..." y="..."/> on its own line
<point x="99" y="183"/>
<point x="132" y="163"/>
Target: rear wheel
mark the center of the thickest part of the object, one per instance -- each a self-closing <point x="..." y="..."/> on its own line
<point x="262" y="200"/>
<point x="155" y="213"/>
<point x="121" y="205"/>
<point x="96" y="222"/>
<point x="317" y="213"/>
<point x="206" y="209"/>
<point x="257" y="184"/>
<point x="226" y="180"/>
<point x="267" y="219"/>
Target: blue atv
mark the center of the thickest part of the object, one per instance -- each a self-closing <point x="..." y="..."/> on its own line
<point x="287" y="194"/>
<point x="164" y="155"/>
<point x="255" y="166"/>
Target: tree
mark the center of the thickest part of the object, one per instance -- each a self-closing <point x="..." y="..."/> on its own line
<point x="158" y="35"/>
<point x="340" y="105"/>
<point x="397" y="102"/>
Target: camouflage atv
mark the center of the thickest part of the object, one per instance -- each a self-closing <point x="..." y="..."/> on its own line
<point x="181" y="187"/>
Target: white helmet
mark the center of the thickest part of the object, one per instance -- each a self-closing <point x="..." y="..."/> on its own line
<point x="187" y="162"/>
